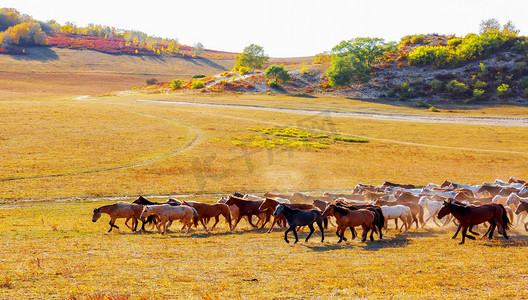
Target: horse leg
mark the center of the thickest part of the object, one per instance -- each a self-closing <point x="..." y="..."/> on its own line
<point x="251" y="223"/>
<point x="396" y="222"/>
<point x="321" y="227"/>
<point x="112" y="221"/>
<point x="353" y="231"/>
<point x="203" y="224"/>
<point x="342" y="237"/>
<point x="272" y="224"/>
<point x="456" y="233"/>
<point x="268" y="217"/>
<point x="365" y="233"/>
<point x="217" y="219"/>
<point x="341" y="234"/>
<point x="312" y="229"/>
<point x="473" y="232"/>
<point x="236" y="223"/>
<point x="286" y="234"/>
<point x="464" y="233"/>
<point x="168" y="225"/>
<point x="295" y="234"/>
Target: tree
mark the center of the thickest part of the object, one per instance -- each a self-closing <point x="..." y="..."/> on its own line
<point x="489" y="25"/>
<point x="354" y="59"/>
<point x="252" y="57"/>
<point x="198" y="49"/>
<point x="278" y="73"/>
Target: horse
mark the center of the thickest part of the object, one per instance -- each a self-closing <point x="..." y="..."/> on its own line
<point x="469" y="216"/>
<point x="417" y="211"/>
<point x="247" y="208"/>
<point x="117" y="211"/>
<point x="523" y="207"/>
<point x="390" y="184"/>
<point x="152" y="219"/>
<point x="207" y="211"/>
<point x="396" y="212"/>
<point x="516" y="180"/>
<point x="168" y="213"/>
<point x="379" y="219"/>
<point x="271" y="204"/>
<point x="297" y="217"/>
<point x="514" y="200"/>
<point x="271" y="195"/>
<point x="495" y="190"/>
<point x="347" y="218"/>
<point x="433" y="207"/>
<point x="353" y="196"/>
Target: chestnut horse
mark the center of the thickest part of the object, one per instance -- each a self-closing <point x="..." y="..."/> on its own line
<point x="207" y="211"/>
<point x="271" y="204"/>
<point x="469" y="216"/>
<point x="379" y="218"/>
<point x="347" y="218"/>
<point x="247" y="208"/>
<point x="117" y="211"/>
<point x="297" y="217"/>
<point x="168" y="213"/>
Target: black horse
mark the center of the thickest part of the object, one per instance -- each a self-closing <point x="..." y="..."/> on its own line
<point x="297" y="217"/>
<point x="379" y="218"/>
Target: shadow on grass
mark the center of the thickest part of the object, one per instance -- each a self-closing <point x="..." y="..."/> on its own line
<point x="42" y="54"/>
<point x="513" y="241"/>
<point x="197" y="233"/>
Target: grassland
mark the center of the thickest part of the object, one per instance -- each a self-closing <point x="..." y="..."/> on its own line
<point x="55" y="251"/>
<point x="57" y="152"/>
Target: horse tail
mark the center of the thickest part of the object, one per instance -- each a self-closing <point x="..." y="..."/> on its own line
<point x="325" y="222"/>
<point x="195" y="216"/>
<point x="506" y="223"/>
<point x="226" y="212"/>
<point x="381" y="219"/>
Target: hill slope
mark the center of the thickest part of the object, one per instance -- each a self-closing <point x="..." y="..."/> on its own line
<point x="53" y="72"/>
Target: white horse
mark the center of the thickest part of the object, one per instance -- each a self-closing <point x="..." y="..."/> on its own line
<point x="396" y="212"/>
<point x="433" y="207"/>
<point x="515" y="200"/>
<point x="506" y="184"/>
<point x="448" y="194"/>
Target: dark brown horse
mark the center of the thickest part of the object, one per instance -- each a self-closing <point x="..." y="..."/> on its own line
<point x="247" y="208"/>
<point x="297" y="217"/>
<point x="271" y="204"/>
<point x="469" y="216"/>
<point x="379" y="219"/>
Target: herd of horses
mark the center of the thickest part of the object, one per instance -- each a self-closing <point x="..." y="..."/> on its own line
<point x="369" y="207"/>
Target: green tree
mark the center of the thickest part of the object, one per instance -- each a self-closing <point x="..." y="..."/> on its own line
<point x="277" y="72"/>
<point x="252" y="57"/>
<point x="353" y="59"/>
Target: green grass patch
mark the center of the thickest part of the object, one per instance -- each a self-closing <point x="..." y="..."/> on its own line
<point x="350" y="139"/>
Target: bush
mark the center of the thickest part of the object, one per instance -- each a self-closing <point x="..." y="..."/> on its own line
<point x="524" y="83"/>
<point x="433" y="109"/>
<point x="273" y="83"/>
<point x="456" y="87"/>
<point x="422" y="103"/>
<point x="198" y="84"/>
<point x="431" y="55"/>
<point x="151" y="81"/>
<point x="478" y="94"/>
<point x="436" y="85"/>
<point x="176" y="83"/>
<point x="406" y="91"/>
<point x="417" y="39"/>
<point x="198" y="76"/>
<point x="244" y="70"/>
<point x="278" y="73"/>
<point x="304" y="70"/>
<point x="480" y="85"/>
<point x="503" y="90"/>
<point x="483" y="70"/>
<point x="350" y="139"/>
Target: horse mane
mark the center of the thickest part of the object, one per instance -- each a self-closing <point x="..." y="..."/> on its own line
<point x="341" y="210"/>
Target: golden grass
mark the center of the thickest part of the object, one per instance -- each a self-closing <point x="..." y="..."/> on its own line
<point x="53" y="251"/>
<point x="66" y="148"/>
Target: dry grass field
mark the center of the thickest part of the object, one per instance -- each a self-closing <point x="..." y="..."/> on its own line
<point x="61" y="154"/>
<point x="52" y="250"/>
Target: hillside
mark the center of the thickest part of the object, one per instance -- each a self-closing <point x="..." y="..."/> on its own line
<point x="51" y="72"/>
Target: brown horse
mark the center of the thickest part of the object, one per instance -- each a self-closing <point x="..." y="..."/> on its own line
<point x="404" y="186"/>
<point x="495" y="190"/>
<point x="207" y="211"/>
<point x="247" y="208"/>
<point x="270" y="205"/>
<point x="469" y="216"/>
<point x="168" y="213"/>
<point x="347" y="218"/>
<point x="117" y="211"/>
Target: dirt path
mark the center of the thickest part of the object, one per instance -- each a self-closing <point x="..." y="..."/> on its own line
<point x="488" y="121"/>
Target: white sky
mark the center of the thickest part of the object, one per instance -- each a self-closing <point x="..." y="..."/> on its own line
<point x="285" y="28"/>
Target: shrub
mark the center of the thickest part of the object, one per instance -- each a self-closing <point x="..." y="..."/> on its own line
<point x="478" y="94"/>
<point x="176" y="83"/>
<point x="304" y="70"/>
<point x="273" y="83"/>
<point x="198" y="84"/>
<point x="198" y="76"/>
<point x="350" y="139"/>
<point x="431" y="55"/>
<point x="417" y="39"/>
<point x="483" y="70"/>
<point x="480" y="85"/>
<point x="278" y="73"/>
<point x="456" y="87"/>
<point x="406" y="91"/>
<point x="151" y="81"/>
<point x="433" y="109"/>
<point x="503" y="90"/>
<point x="244" y="70"/>
<point x="422" y="103"/>
<point x="524" y="83"/>
<point x="436" y="85"/>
